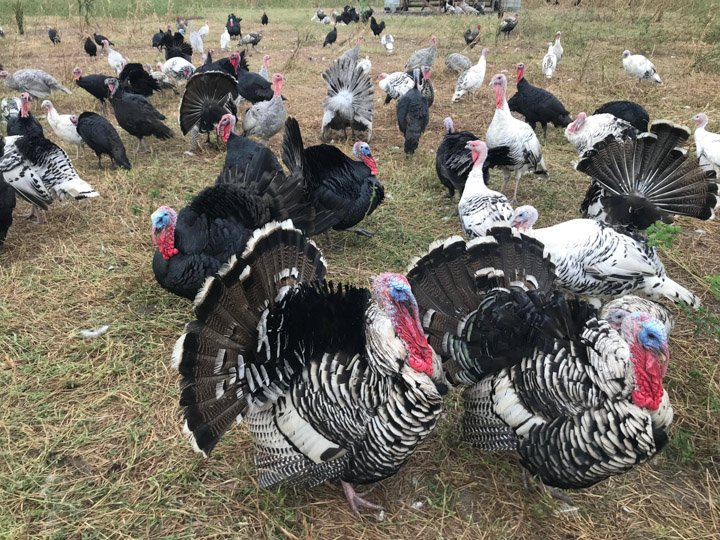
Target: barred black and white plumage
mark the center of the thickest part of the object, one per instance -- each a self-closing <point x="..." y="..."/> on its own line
<point x="641" y="180"/>
<point x="595" y="260"/>
<point x="333" y="381"/>
<point x="487" y="303"/>
<point x="40" y="171"/>
<point x="208" y="96"/>
<point x="349" y="102"/>
<point x="591" y="408"/>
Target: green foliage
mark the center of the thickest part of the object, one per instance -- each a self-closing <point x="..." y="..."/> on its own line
<point x="714" y="282"/>
<point x="681" y="447"/>
<point x="662" y="235"/>
<point x="20" y="17"/>
<point x="85" y="9"/>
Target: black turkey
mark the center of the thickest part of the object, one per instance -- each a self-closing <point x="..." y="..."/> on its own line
<point x="93" y="85"/>
<point x="7" y="205"/>
<point x="333" y="381"/>
<point x="158" y="39"/>
<point x="135" y="80"/>
<point x="20" y="120"/>
<point x="99" y="38"/>
<point x="208" y="97"/>
<point x="102" y="138"/>
<point x="331" y="37"/>
<point x="633" y="113"/>
<point x="243" y="154"/>
<point x="233" y="26"/>
<point x="413" y="115"/>
<point x="230" y="65"/>
<point x="264" y="19"/>
<point x="90" y="47"/>
<point x="177" y="47"/>
<point x="54" y="36"/>
<point x="638" y="181"/>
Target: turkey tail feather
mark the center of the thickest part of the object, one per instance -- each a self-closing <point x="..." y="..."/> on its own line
<point x="218" y="387"/>
<point x="207" y="94"/>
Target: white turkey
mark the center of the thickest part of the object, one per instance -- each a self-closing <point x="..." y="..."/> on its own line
<point x="557" y="47"/>
<point x="388" y="41"/>
<point x="333" y="382"/>
<point x="596" y="260"/>
<point x="586" y="131"/>
<point x="472" y="79"/>
<point x="224" y="40"/>
<point x="422" y="57"/>
<point x="549" y="63"/>
<point x="204" y="30"/>
<point x="578" y="400"/>
<point x="178" y="68"/>
<point x="636" y="182"/>
<point x="163" y="81"/>
<point x="481" y="208"/>
<point x="349" y="102"/>
<point x="639" y="67"/>
<point x="35" y="82"/>
<point x="519" y="137"/>
<point x="457" y="62"/>
<point x="114" y="58"/>
<point x="365" y="65"/>
<point x="395" y="85"/>
<point x="62" y="125"/>
<point x="196" y="42"/>
<point x="707" y="144"/>
<point x="40" y="172"/>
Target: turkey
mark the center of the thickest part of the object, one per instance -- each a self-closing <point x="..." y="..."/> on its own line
<point x="472" y="79"/>
<point x="707" y="145"/>
<point x="348" y="387"/>
<point x="395" y="85"/>
<point x="40" y="172"/>
<point x="54" y="36"/>
<point x="135" y="80"/>
<point x="136" y="115"/>
<point x="537" y="105"/>
<point x="639" y="67"/>
<point x="233" y="26"/>
<point x="62" y="125"/>
<point x="264" y="71"/>
<point x="650" y="178"/>
<point x="252" y="38"/>
<point x="557" y="47"/>
<point x="99" y="38"/>
<point x="101" y="137"/>
<point x="224" y="40"/>
<point x="614" y="310"/>
<point x="90" y="47"/>
<point x="505" y="130"/>
<point x="231" y="65"/>
<point x="595" y="260"/>
<point x="388" y="41"/>
<point x="377" y="28"/>
<point x="194" y="243"/>
<point x="157" y="39"/>
<point x="204" y="30"/>
<point x="266" y="118"/>
<point x="366" y="65"/>
<point x="35" y="82"/>
<point x="264" y="19"/>
<point x="207" y="98"/>
<point x="331" y="37"/>
<point x="20" y="120"/>
<point x="178" y="69"/>
<point x="161" y="79"/>
<point x="471" y="35"/>
<point x="7" y="205"/>
<point x="633" y="113"/>
<point x="508" y="24"/>
<point x="349" y="102"/>
<point x="457" y="62"/>
<point x="427" y="90"/>
<point x="549" y="63"/>
<point x="586" y="131"/>
<point x="480" y="208"/>
<point x="422" y="57"/>
<point x="196" y="42"/>
<point x="318" y="16"/>
<point x="354" y="53"/>
<point x="114" y="58"/>
<point x="346" y="189"/>
<point x="244" y="156"/>
<point x="413" y="115"/>
<point x="93" y="85"/>
<point x="453" y="159"/>
<point x="253" y="87"/>
<point x="366" y="14"/>
<point x="176" y="47"/>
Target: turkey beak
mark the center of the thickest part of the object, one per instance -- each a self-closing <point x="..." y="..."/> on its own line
<point x="516" y="223"/>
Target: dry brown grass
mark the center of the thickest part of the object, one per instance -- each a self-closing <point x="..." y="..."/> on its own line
<point x="91" y="429"/>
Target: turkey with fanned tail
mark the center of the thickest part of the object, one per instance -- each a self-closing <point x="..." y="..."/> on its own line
<point x="639" y="181"/>
<point x="334" y="382"/>
<point x="209" y="96"/>
<point x="349" y="102"/>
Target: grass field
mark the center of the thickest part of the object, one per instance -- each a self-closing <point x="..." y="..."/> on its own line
<point x="91" y="442"/>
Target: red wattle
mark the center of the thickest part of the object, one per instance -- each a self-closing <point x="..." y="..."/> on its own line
<point x="165" y="242"/>
<point x="370" y="162"/>
<point x="648" y="390"/>
<point x="499" y="96"/>
<point x="408" y="328"/>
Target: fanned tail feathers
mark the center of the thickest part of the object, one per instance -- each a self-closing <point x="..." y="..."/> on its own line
<point x="207" y="94"/>
<point x="342" y="76"/>
<point x="218" y="387"/>
<point x="650" y="178"/>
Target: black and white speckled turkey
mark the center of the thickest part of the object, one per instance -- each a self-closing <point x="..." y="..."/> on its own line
<point x="579" y="399"/>
<point x="332" y="381"/>
<point x="586" y="131"/>
<point x="638" y="181"/>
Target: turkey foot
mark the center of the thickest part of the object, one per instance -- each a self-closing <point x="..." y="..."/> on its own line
<point x="36" y="214"/>
<point x="356" y="501"/>
<point x="362" y="232"/>
<point x="531" y="482"/>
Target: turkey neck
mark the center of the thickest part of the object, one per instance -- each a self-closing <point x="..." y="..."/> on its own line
<point x="475" y="184"/>
<point x="500" y="102"/>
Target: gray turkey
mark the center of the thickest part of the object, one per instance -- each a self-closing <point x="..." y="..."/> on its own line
<point x="35" y="82"/>
<point x="422" y="57"/>
<point x="598" y="261"/>
<point x="208" y="97"/>
<point x="507" y="25"/>
<point x="577" y="399"/>
<point x="638" y="181"/>
<point x="333" y="382"/>
<point x="40" y="172"/>
<point x="349" y="102"/>
<point x="252" y="38"/>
